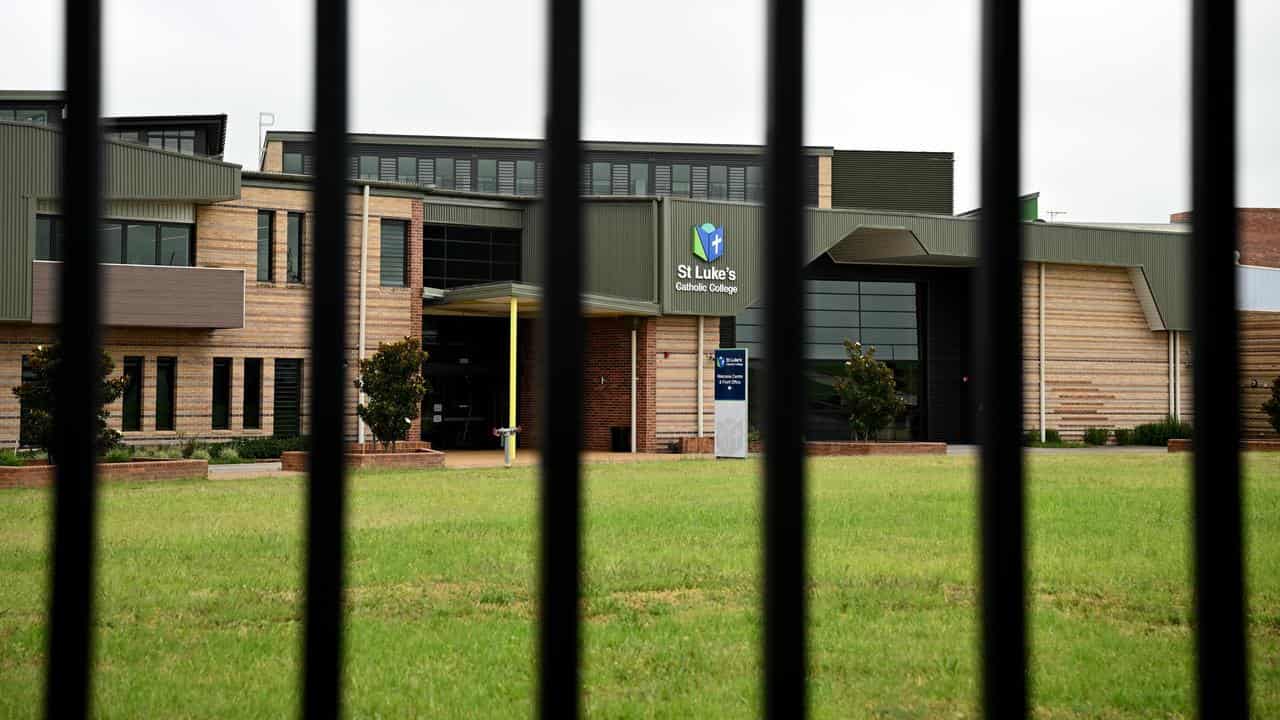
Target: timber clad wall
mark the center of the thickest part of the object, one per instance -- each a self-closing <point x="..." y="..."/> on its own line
<point x="676" y="353"/>
<point x="276" y="318"/>
<point x="1105" y="367"/>
<point x="1260" y="363"/>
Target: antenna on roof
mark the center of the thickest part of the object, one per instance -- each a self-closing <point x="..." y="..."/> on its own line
<point x="1053" y="214"/>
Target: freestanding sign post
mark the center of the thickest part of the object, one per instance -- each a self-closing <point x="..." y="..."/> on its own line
<point x="731" y="403"/>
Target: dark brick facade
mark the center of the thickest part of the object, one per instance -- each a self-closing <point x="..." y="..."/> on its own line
<point x="1259" y="234"/>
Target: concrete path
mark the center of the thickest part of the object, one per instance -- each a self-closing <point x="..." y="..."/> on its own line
<point x="269" y="468"/>
<point x="1088" y="450"/>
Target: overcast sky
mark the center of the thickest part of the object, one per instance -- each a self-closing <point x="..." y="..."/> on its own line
<point x="1105" y="106"/>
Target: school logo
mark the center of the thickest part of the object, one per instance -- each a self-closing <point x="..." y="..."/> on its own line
<point x="708" y="242"/>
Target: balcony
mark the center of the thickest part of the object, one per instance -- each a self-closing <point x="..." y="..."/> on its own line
<point x="154" y="296"/>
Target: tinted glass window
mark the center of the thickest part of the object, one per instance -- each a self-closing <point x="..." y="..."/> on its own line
<point x="293" y="249"/>
<point x="368" y="167"/>
<point x="407" y="170"/>
<point x="175" y="245"/>
<point x="132" y="411"/>
<point x="140" y="245"/>
<point x="392" y="272"/>
<point x="221" y="401"/>
<point x="266" y="233"/>
<point x="166" y="391"/>
<point x="680" y="180"/>
<point x="601" y="180"/>
<point x="526" y="180"/>
<point x="444" y="172"/>
<point x="40" y="117"/>
<point x="487" y="176"/>
<point x="48" y="238"/>
<point x="639" y="180"/>
<point x="718" y="187"/>
<point x="110" y="243"/>
<point x="293" y="163"/>
<point x="755" y="187"/>
<point x="252" y="393"/>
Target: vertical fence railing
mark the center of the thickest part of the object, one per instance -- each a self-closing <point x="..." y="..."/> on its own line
<point x="783" y="500"/>
<point x="326" y="482"/>
<point x="70" y="643"/>
<point x="1221" y="658"/>
<point x="1221" y="665"/>
<point x="560" y="389"/>
<point x="998" y="346"/>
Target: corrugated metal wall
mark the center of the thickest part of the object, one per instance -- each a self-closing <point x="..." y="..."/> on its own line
<point x="154" y="210"/>
<point x="620" y="248"/>
<point x="902" y="181"/>
<point x="479" y="216"/>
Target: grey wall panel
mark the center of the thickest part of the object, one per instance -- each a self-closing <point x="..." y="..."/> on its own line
<point x="152" y="296"/>
<point x="902" y="181"/>
<point x="619" y="248"/>
<point x="438" y="213"/>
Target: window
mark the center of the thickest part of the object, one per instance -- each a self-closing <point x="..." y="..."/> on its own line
<point x="718" y="189"/>
<point x="392" y="270"/>
<point x="680" y="180"/>
<point x="131" y="136"/>
<point x="110" y="243"/>
<point x="368" y="167"/>
<point x="639" y="182"/>
<point x="49" y="237"/>
<point x="457" y="256"/>
<point x="40" y="117"/>
<point x="180" y="141"/>
<point x="487" y="176"/>
<point x="287" y="421"/>
<point x="407" y="170"/>
<point x="601" y="180"/>
<point x="252" y="393"/>
<point x="293" y="249"/>
<point x="140" y="245"/>
<point x="221" y="393"/>
<point x="166" y="391"/>
<point x="293" y="163"/>
<point x="266" y="244"/>
<point x="131" y="417"/>
<point x="755" y="187"/>
<point x="175" y="245"/>
<point x="444" y="173"/>
<point x="526" y="178"/>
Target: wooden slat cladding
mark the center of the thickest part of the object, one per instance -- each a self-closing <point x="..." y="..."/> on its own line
<point x="676" y="357"/>
<point x="1259" y="368"/>
<point x="1105" y="367"/>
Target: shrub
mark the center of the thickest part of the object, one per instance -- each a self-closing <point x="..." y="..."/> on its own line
<point x="267" y="448"/>
<point x="215" y="450"/>
<point x="1031" y="438"/>
<point x="37" y="398"/>
<point x="1096" y="436"/>
<point x="867" y="392"/>
<point x="1161" y="433"/>
<point x="187" y="446"/>
<point x="198" y="454"/>
<point x="9" y="458"/>
<point x="1124" y="436"/>
<point x="121" y="453"/>
<point x="1272" y="406"/>
<point x="1052" y="437"/>
<point x="228" y="455"/>
<point x="394" y="386"/>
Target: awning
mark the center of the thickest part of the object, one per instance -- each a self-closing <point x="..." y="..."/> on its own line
<point x="494" y="300"/>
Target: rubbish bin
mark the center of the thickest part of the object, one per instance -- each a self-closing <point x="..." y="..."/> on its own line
<point x="620" y="438"/>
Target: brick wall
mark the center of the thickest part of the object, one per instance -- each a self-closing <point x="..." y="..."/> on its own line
<point x="1259" y="234"/>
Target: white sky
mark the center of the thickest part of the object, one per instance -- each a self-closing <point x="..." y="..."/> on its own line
<point x="1105" y="107"/>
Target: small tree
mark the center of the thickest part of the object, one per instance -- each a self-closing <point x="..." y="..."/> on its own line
<point x="1272" y="406"/>
<point x="867" y="392"/>
<point x="393" y="383"/>
<point x="37" y="398"/>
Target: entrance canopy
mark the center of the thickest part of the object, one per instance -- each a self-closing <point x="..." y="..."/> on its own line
<point x="494" y="300"/>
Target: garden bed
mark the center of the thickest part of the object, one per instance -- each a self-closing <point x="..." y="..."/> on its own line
<point x="826" y="448"/>
<point x="414" y="458"/>
<point x="1245" y="446"/>
<point x="41" y="473"/>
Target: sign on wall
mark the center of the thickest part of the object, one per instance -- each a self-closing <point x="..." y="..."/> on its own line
<point x="704" y="277"/>
<point x="731" y="402"/>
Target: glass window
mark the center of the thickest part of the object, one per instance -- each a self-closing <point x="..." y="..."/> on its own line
<point x="48" y="237"/>
<point x="187" y="142"/>
<point x="680" y="180"/>
<point x="487" y="176"/>
<point x="293" y="249"/>
<point x="131" y="418"/>
<point x="40" y="117"/>
<point x="718" y="188"/>
<point x="221" y="402"/>
<point x="444" y="173"/>
<point x="392" y="253"/>
<point x="252" y="393"/>
<point x="526" y="179"/>
<point x="175" y="245"/>
<point x="266" y="244"/>
<point x="140" y="245"/>
<point x="166" y="391"/>
<point x="368" y="167"/>
<point x="601" y="180"/>
<point x="755" y="186"/>
<point x="407" y="170"/>
<point x="110" y="244"/>
<point x="6" y="114"/>
<point x="639" y="178"/>
<point x="293" y="163"/>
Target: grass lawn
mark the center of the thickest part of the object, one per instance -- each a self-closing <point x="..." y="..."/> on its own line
<point x="198" y="603"/>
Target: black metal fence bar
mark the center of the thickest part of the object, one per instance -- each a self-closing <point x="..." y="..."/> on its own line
<point x="1221" y="664"/>
<point x="326" y="485"/>
<point x="998" y="345"/>
<point x="785" y="569"/>
<point x="560" y="389"/>
<point x="70" y="648"/>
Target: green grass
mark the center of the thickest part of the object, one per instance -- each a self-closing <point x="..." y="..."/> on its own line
<point x="198" y="604"/>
